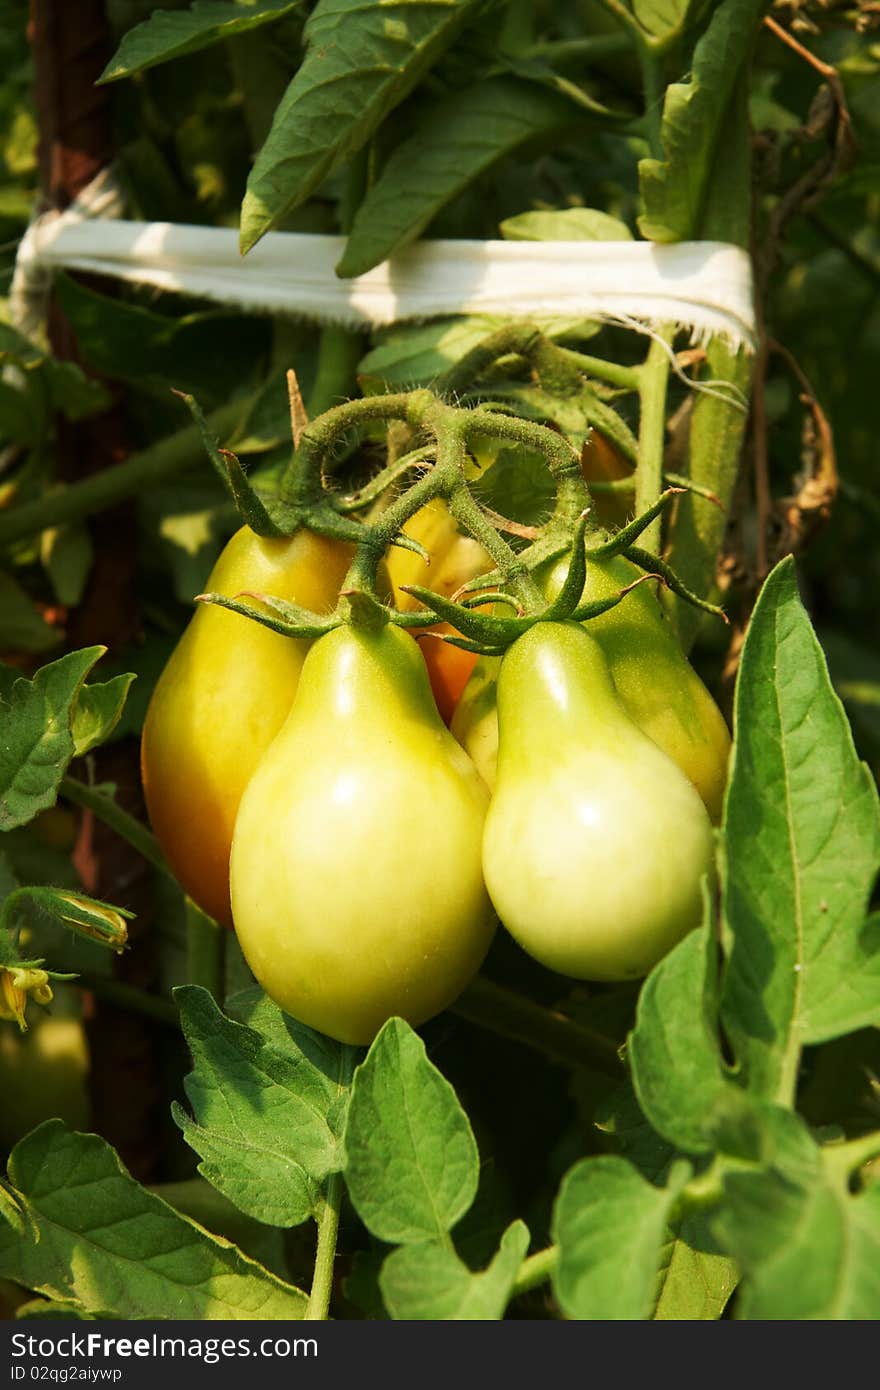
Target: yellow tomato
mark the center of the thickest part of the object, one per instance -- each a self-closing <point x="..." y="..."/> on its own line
<point x="222" y="698"/>
<point x="344" y="918"/>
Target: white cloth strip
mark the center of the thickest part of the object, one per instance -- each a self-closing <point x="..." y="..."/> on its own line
<point x="705" y="286"/>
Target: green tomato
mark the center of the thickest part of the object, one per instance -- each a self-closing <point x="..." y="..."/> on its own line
<point x="345" y="916"/>
<point x="657" y="686"/>
<point x="596" y="844"/>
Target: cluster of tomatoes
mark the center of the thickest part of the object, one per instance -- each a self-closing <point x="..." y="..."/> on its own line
<point x="311" y="794"/>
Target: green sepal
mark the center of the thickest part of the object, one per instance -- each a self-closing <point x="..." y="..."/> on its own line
<point x="597" y="606"/>
<point x="484" y="628"/>
<point x="286" y="618"/>
<point x="324" y="520"/>
<point x="616" y="544"/>
<point x="249" y="504"/>
<point x="415" y="618"/>
<point x="646" y="561"/>
<point x="466" y="645"/>
<point x="479" y="600"/>
<point x="566" y="601"/>
<point x="404" y="542"/>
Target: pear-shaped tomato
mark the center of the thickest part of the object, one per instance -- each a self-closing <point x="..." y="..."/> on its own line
<point x="454" y="558"/>
<point x="344" y="917"/>
<point x="657" y="686"/>
<point x="222" y="698"/>
<point x="595" y="844"/>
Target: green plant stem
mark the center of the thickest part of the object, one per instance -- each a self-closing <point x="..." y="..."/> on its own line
<point x="847" y="1158"/>
<point x="583" y="50"/>
<point x="107" y="810"/>
<point x="614" y="373"/>
<point x="501" y="1011"/>
<point x="626" y="18"/>
<point x="339" y="351"/>
<point x="129" y="998"/>
<point x="325" y="1255"/>
<point x="653" y="382"/>
<point x="165" y="459"/>
<point x="465" y="510"/>
<point x="655" y="86"/>
<point x="536" y="1270"/>
<point x="205" y="951"/>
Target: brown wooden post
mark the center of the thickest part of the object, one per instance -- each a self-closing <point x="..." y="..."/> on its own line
<point x="71" y="45"/>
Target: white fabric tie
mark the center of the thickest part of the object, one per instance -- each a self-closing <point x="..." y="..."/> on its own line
<point x="704" y="286"/>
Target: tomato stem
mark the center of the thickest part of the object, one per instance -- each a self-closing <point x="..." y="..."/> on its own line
<point x="536" y="1270"/>
<point x="129" y="998"/>
<point x="500" y="1010"/>
<point x="112" y="814"/>
<point x="328" y="1217"/>
<point x="325" y="1255"/>
<point x="653" y="381"/>
<point x="168" y="458"/>
<point x="339" y="351"/>
<point x="205" y="951"/>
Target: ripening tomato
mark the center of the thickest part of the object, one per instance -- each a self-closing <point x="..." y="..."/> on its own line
<point x="596" y="845"/>
<point x="601" y="462"/>
<point x="656" y="684"/>
<point x="455" y="558"/>
<point x="223" y="696"/>
<point x="343" y="917"/>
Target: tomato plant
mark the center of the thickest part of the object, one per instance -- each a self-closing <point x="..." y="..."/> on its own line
<point x="568" y="1012"/>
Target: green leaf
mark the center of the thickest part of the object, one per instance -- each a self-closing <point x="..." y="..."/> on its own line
<point x="21" y="627"/>
<point x="568" y="224"/>
<point x="267" y="424"/>
<point x="173" y="33"/>
<point x="456" y="141"/>
<point x="261" y="1114"/>
<point x="411" y="354"/>
<point x="46" y="1308"/>
<point x="663" y="18"/>
<point x="72" y="392"/>
<point x="674" y="189"/>
<point x="411" y="1161"/>
<point x="20" y="423"/>
<point x="673" y="1051"/>
<point x="98" y="711"/>
<point x="189" y="523"/>
<point x="37" y="740"/>
<point x="99" y="1239"/>
<point x="362" y="58"/>
<point x="696" y="1277"/>
<point x="47" y="383"/>
<point x="519" y="485"/>
<point x="808" y="1247"/>
<point x="801" y="850"/>
<point x="209" y="353"/>
<point x="67" y="554"/>
<point x="610" y="1224"/>
<point x="428" y="1281"/>
<point x="10" y="1210"/>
